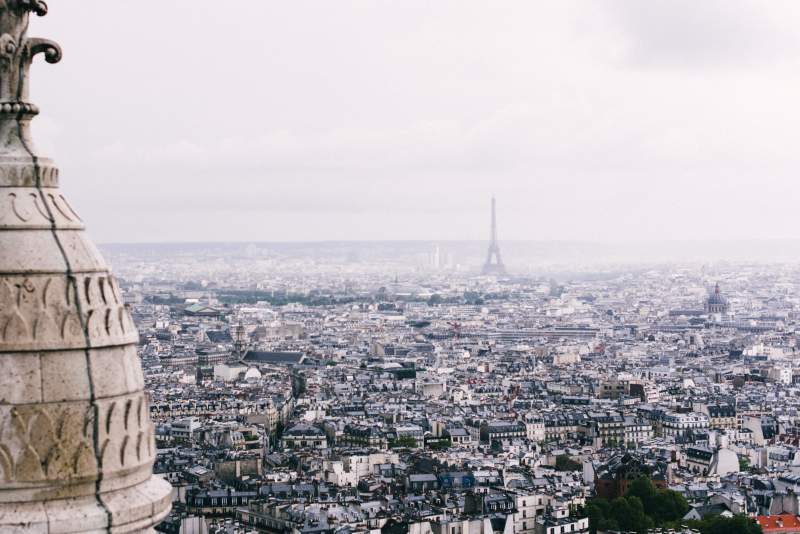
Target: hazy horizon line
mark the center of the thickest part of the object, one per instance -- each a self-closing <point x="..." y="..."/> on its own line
<point x="590" y="241"/>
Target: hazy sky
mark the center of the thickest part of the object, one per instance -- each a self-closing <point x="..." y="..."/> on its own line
<point x="190" y="120"/>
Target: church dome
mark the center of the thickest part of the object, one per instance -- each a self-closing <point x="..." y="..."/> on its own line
<point x="716" y="302"/>
<point x="716" y="297"/>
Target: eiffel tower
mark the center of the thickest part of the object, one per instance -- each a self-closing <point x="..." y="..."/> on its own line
<point x="496" y="266"/>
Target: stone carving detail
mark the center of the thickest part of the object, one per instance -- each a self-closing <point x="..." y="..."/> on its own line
<point x="27" y="208"/>
<point x="129" y="437"/>
<point x="8" y="47"/>
<point x="26" y="175"/>
<point x="78" y="311"/>
<point x="56" y="441"/>
<point x="50" y="49"/>
<point x="37" y="6"/>
<point x="49" y="442"/>
<point x="11" y="54"/>
<point x="16" y="54"/>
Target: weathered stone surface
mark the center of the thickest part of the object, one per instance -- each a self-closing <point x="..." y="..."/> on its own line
<point x="26" y="208"/>
<point x="76" y="440"/>
<point x="52" y="311"/>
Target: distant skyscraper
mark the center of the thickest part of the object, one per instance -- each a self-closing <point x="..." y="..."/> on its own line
<point x="494" y="263"/>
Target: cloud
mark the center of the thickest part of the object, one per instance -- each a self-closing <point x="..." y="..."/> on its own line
<point x="711" y="34"/>
<point x="398" y="119"/>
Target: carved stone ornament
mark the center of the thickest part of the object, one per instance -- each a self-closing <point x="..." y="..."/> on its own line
<point x="76" y="440"/>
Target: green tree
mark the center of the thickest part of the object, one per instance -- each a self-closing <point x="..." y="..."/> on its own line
<point x="744" y="463"/>
<point x="598" y="510"/>
<point x="629" y="514"/>
<point x="403" y="441"/>
<point x="565" y="463"/>
<point x="440" y="445"/>
<point x="661" y="505"/>
<point x="643" y="506"/>
<point x="668" y="506"/>
<point x="726" y="525"/>
<point x="642" y="488"/>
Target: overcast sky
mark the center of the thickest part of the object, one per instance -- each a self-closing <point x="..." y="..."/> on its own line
<point x="201" y="120"/>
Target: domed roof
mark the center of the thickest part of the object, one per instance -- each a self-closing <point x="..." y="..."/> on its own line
<point x="64" y="319"/>
<point x="716" y="297"/>
<point x="253" y="374"/>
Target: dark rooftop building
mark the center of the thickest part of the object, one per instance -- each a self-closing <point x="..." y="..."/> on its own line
<point x="275" y="358"/>
<point x="612" y="479"/>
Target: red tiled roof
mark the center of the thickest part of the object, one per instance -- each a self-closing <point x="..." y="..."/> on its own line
<point x="785" y="523"/>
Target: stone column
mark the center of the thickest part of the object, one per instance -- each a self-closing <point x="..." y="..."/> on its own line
<point x="76" y="440"/>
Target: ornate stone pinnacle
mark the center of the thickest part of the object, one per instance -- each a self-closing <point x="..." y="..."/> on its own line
<point x="22" y="6"/>
<point x="76" y="440"/>
<point x="17" y="51"/>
